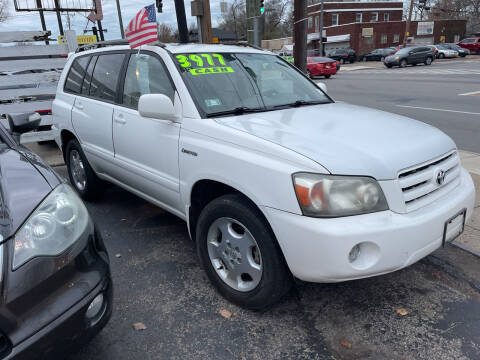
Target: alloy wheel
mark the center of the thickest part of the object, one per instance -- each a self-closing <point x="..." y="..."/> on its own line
<point x="77" y="170"/>
<point x="234" y="254"/>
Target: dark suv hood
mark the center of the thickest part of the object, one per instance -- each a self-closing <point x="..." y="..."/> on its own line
<point x="23" y="185"/>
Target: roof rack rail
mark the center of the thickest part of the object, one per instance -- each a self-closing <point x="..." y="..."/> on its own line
<point x="101" y="44"/>
<point x="241" y="43"/>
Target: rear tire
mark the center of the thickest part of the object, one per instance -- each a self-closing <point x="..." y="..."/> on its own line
<point x="81" y="175"/>
<point x="223" y="227"/>
<point x="441" y="56"/>
<point x="327" y="76"/>
<point x="342" y="61"/>
<point x="382" y="59"/>
<point x="309" y="74"/>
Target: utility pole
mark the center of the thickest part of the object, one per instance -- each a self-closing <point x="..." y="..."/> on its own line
<point x="182" y="20"/>
<point x="100" y="30"/>
<point x="321" y="29"/>
<point x="120" y="20"/>
<point x="201" y="9"/>
<point x="407" y="25"/>
<point x="300" y="34"/>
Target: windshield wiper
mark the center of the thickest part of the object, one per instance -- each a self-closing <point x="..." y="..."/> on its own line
<point x="236" y="111"/>
<point x="299" y="103"/>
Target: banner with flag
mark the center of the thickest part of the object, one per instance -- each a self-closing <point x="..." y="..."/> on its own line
<point x="143" y="27"/>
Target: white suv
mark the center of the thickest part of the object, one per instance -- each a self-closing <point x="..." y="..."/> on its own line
<point x="274" y="179"/>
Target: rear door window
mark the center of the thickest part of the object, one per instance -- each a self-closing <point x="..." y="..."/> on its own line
<point x="88" y="76"/>
<point x="75" y="76"/>
<point x="105" y="77"/>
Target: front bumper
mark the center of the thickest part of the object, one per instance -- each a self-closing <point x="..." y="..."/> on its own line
<point x="68" y="332"/>
<point x="318" y="250"/>
<point x="46" y="299"/>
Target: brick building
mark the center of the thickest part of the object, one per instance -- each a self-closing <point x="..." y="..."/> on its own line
<point x="364" y="26"/>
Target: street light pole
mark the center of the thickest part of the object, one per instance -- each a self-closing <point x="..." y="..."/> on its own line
<point x="321" y="29"/>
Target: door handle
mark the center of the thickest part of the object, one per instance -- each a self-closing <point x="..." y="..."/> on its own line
<point x="79" y="105"/>
<point x="120" y="119"/>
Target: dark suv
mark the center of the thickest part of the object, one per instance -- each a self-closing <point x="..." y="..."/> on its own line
<point x="56" y="290"/>
<point x="411" y="56"/>
<point x="343" y="55"/>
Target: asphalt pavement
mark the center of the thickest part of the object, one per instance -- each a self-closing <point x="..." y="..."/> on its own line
<point x="445" y="94"/>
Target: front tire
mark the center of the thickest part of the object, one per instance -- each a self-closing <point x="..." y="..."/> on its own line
<point x="327" y="76"/>
<point x="81" y="174"/>
<point x="403" y="63"/>
<point x="239" y="253"/>
<point x="428" y="61"/>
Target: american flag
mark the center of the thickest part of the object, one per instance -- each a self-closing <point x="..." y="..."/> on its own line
<point x="143" y="27"/>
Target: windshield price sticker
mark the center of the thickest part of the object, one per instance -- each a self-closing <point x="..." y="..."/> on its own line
<point x="200" y="64"/>
<point x="211" y="70"/>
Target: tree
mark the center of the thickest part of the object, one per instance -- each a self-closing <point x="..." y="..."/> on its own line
<point x="458" y="9"/>
<point x="166" y="34"/>
<point x="3" y="10"/>
<point x="276" y="17"/>
<point x="235" y="19"/>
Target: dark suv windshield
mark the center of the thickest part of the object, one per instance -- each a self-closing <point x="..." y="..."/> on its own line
<point x="223" y="83"/>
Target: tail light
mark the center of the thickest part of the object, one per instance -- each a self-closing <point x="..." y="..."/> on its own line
<point x="44" y="112"/>
<point x="320" y="65"/>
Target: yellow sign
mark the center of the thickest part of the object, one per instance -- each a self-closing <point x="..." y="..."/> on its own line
<point x="442" y="38"/>
<point x="367" y="32"/>
<point x="81" y="39"/>
<point x="215" y="40"/>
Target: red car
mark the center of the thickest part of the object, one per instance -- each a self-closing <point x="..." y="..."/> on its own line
<point x="472" y="44"/>
<point x="321" y="66"/>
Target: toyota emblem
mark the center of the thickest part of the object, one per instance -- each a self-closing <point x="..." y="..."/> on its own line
<point x="440" y="177"/>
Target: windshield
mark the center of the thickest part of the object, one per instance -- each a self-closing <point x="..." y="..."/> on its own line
<point x="223" y="83"/>
<point x="404" y="51"/>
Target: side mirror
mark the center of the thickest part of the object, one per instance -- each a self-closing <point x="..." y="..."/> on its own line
<point x="23" y="123"/>
<point x="322" y="86"/>
<point x="157" y="106"/>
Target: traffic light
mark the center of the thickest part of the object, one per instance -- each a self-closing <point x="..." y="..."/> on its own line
<point x="262" y="7"/>
<point x="159" y="5"/>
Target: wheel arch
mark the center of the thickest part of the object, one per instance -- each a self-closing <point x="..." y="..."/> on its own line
<point x="203" y="191"/>
<point x="66" y="136"/>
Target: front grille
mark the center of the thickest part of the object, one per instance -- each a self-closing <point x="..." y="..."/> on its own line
<point x="423" y="183"/>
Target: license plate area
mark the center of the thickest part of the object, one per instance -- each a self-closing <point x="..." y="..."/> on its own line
<point x="454" y="227"/>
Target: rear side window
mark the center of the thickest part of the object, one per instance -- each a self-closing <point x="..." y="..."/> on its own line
<point x="75" y="75"/>
<point x="105" y="76"/>
<point x="145" y="75"/>
<point x="88" y="76"/>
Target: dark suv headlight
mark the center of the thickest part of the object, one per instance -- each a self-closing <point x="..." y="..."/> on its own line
<point x="54" y="226"/>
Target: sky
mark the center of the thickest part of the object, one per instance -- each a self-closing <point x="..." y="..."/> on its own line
<point x="31" y="21"/>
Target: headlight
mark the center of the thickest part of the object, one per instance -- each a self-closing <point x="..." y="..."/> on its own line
<point x="397" y="57"/>
<point x="55" y="225"/>
<point x="333" y="196"/>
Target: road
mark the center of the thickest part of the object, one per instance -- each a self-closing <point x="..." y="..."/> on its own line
<point x="431" y="94"/>
<point x="158" y="281"/>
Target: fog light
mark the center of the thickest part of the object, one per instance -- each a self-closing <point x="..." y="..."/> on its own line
<point x="95" y="307"/>
<point x="354" y="253"/>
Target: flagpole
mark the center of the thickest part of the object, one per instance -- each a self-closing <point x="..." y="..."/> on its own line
<point x="119" y="11"/>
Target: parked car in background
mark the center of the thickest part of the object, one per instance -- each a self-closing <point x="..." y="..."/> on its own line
<point x="321" y="66"/>
<point x="442" y="52"/>
<point x="56" y="284"/>
<point x="461" y="51"/>
<point x="377" y="54"/>
<point x="342" y="55"/>
<point x="411" y="56"/>
<point x="472" y="44"/>
<point x="274" y="178"/>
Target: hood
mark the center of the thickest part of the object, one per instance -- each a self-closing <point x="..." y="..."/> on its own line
<point x="348" y="139"/>
<point x="22" y="188"/>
